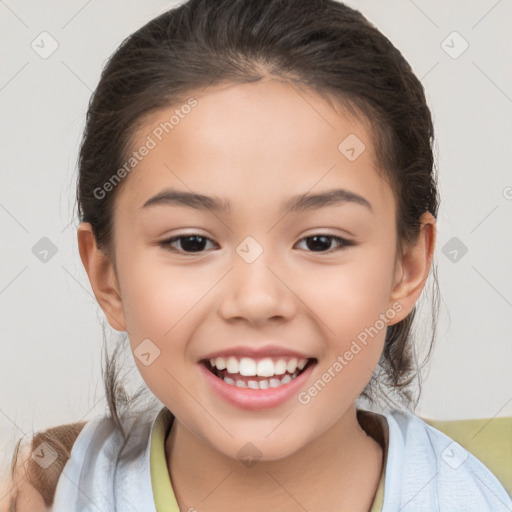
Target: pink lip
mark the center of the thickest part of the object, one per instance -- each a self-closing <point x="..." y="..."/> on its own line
<point x="255" y="399"/>
<point x="256" y="352"/>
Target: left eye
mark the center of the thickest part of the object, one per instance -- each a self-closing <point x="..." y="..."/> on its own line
<point x="196" y="243"/>
<point x="324" y="242"/>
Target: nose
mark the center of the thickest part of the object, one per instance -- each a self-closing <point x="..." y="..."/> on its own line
<point x="257" y="292"/>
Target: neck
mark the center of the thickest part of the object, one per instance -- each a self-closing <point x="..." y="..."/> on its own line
<point x="340" y="469"/>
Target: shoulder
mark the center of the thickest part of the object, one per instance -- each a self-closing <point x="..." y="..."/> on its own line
<point x="87" y="450"/>
<point x="92" y="455"/>
<point x="435" y="469"/>
<point x="104" y="464"/>
<point x="488" y="439"/>
<point x="36" y="467"/>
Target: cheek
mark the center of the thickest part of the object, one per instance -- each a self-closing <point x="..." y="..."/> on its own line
<point x="156" y="295"/>
<point x="352" y="302"/>
<point x="157" y="326"/>
<point x="157" y="303"/>
<point x="353" y="308"/>
<point x="350" y="297"/>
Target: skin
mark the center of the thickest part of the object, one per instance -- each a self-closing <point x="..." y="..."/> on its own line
<point x="256" y="145"/>
<point x="18" y="491"/>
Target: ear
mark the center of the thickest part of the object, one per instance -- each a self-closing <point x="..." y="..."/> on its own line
<point x="412" y="268"/>
<point x="102" y="277"/>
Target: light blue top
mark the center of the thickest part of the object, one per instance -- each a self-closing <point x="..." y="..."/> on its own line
<point x="425" y="470"/>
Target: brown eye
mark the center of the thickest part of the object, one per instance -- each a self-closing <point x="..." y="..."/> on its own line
<point x="322" y="243"/>
<point x="189" y="243"/>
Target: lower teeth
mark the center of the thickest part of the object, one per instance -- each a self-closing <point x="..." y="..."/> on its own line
<point x="260" y="384"/>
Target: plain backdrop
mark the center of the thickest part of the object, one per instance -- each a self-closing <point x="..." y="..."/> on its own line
<point x="51" y="334"/>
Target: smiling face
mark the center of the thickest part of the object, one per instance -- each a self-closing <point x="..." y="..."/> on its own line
<point x="257" y="278"/>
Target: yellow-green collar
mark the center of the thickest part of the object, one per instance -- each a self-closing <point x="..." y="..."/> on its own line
<point x="165" y="501"/>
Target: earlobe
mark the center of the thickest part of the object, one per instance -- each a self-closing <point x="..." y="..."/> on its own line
<point x="413" y="268"/>
<point x="102" y="277"/>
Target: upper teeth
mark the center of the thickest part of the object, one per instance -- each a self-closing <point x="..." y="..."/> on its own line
<point x="266" y="367"/>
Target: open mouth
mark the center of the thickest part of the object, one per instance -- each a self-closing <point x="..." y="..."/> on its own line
<point x="257" y="374"/>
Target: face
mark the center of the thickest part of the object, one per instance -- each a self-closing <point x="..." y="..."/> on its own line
<point x="269" y="284"/>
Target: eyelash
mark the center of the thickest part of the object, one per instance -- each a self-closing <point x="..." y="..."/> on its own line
<point x="166" y="244"/>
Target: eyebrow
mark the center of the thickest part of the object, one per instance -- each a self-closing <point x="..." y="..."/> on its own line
<point x="299" y="203"/>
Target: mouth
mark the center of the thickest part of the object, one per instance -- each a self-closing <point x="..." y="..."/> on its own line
<point x="257" y="374"/>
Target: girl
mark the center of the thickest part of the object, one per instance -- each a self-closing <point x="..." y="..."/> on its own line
<point x="257" y="200"/>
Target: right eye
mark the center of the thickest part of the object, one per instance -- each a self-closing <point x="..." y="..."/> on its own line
<point x="189" y="243"/>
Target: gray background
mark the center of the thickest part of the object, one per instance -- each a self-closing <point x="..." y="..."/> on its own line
<point x="51" y="324"/>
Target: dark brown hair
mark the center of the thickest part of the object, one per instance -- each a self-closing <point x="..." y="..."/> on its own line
<point x="322" y="45"/>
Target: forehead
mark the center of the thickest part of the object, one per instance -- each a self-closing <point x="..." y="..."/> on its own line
<point x="253" y="143"/>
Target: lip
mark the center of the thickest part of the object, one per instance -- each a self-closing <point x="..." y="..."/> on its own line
<point x="256" y="352"/>
<point x="256" y="399"/>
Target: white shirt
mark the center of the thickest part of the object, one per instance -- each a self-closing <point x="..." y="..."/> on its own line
<point x="426" y="471"/>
